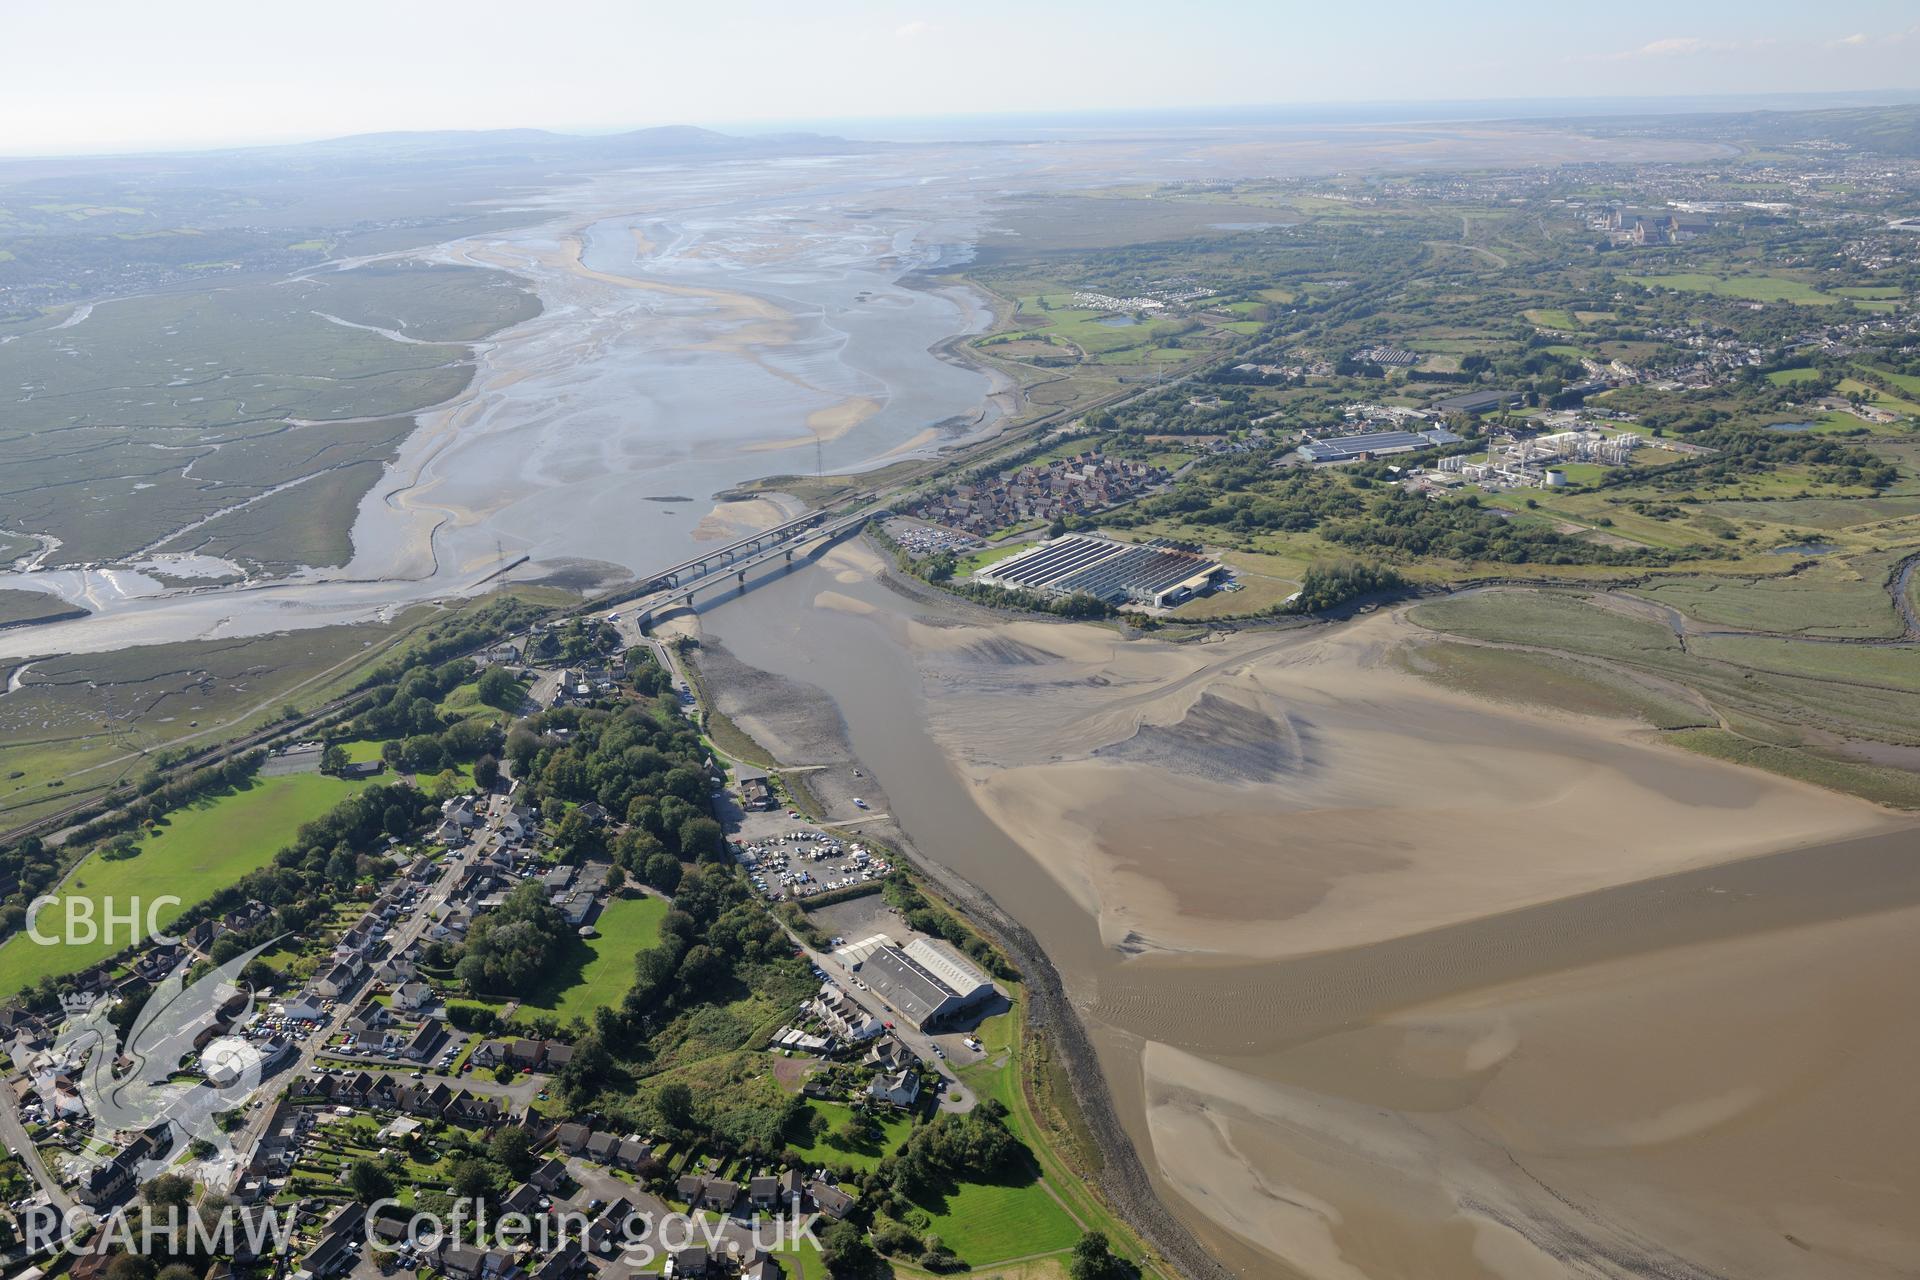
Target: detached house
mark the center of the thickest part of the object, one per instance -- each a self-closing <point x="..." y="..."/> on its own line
<point x="896" y="1088"/>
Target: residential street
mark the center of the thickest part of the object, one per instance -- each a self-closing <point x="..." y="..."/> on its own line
<point x="15" y="1136"/>
<point x="423" y="914"/>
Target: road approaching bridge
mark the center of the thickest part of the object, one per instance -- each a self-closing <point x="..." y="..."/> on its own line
<point x="730" y="556"/>
<point x="672" y="588"/>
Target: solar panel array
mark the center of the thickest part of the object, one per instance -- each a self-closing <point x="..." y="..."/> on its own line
<point x="1046" y="564"/>
<point x="1112" y="571"/>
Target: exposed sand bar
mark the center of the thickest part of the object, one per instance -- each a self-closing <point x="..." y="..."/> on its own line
<point x="1389" y="982"/>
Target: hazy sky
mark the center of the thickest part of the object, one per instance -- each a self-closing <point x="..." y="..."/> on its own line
<point x="94" y="74"/>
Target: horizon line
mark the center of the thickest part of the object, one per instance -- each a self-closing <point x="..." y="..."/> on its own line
<point x="1034" y="118"/>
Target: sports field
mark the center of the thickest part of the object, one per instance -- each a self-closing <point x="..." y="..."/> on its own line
<point x="195" y="852"/>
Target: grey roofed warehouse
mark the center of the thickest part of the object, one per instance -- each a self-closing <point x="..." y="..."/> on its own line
<point x="1373" y="444"/>
<point x="928" y="983"/>
<point x="1479" y="401"/>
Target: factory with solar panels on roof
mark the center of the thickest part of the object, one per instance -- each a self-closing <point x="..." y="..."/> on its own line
<point x="1159" y="573"/>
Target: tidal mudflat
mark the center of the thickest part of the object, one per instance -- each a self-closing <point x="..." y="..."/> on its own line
<point x="1387" y="980"/>
<point x="700" y="326"/>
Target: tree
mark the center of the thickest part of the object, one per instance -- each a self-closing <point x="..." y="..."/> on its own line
<point x="509" y="946"/>
<point x="368" y="1181"/>
<point x="938" y="1257"/>
<point x="702" y="838"/>
<point x="177" y="1271"/>
<point x="471" y="1180"/>
<point x="499" y="689"/>
<point x="486" y="772"/>
<point x="674" y="1102"/>
<point x="1094" y="1259"/>
<point x="512" y="1149"/>
<point x="662" y="872"/>
<point x="854" y="1132"/>
<point x="893" y="1238"/>
<point x="577" y="834"/>
<point x="129" y="1266"/>
<point x="333" y="759"/>
<point x="701" y="968"/>
<point x="169" y="1190"/>
<point x="847" y="1254"/>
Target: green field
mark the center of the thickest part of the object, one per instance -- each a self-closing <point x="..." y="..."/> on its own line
<point x="1755" y="288"/>
<point x="1552" y="318"/>
<point x="1907" y="382"/>
<point x="1787" y="377"/>
<point x="998" y="1077"/>
<point x="894" y="1131"/>
<point x="196" y="852"/>
<point x="595" y="973"/>
<point x="987" y="1223"/>
<point x="1896" y="787"/>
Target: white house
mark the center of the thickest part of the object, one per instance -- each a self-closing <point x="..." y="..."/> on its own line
<point x="308" y="1005"/>
<point x="901" y="1088"/>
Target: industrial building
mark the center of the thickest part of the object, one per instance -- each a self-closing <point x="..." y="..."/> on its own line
<point x="1158" y="573"/>
<point x="1534" y="461"/>
<point x="928" y="982"/>
<point x="1478" y="402"/>
<point x="1374" y="444"/>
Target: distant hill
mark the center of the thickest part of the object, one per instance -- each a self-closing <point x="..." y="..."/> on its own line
<point x="434" y="150"/>
<point x="664" y="140"/>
